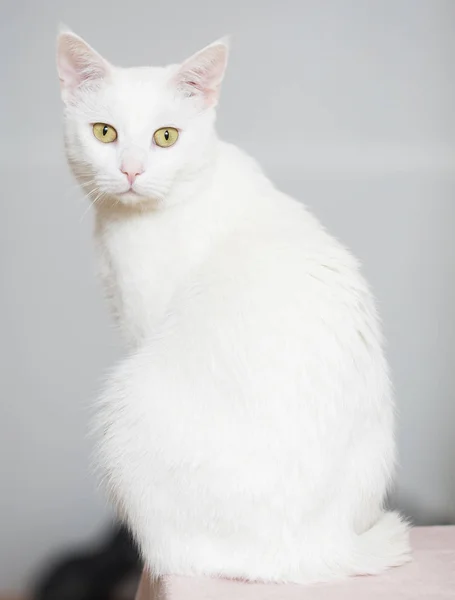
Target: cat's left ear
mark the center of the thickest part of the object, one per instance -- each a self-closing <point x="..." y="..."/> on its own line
<point x="202" y="74"/>
<point x="77" y="63"/>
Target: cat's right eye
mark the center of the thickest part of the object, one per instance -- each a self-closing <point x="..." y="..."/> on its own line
<point x="104" y="132"/>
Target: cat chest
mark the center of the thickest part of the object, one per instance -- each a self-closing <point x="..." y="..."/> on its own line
<point x="140" y="273"/>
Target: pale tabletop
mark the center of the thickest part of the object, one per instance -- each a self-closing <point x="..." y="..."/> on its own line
<point x="431" y="575"/>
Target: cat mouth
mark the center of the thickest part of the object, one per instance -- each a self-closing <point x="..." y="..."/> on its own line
<point x="130" y="197"/>
<point x="133" y="197"/>
<point x="129" y="192"/>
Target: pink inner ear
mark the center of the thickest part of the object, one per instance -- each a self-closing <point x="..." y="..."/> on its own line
<point x="78" y="63"/>
<point x="204" y="72"/>
<point x="197" y="78"/>
<point x="192" y="84"/>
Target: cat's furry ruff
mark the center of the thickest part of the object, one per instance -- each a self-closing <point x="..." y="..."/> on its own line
<point x="250" y="431"/>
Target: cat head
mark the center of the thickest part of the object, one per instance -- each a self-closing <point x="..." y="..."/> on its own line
<point x="132" y="134"/>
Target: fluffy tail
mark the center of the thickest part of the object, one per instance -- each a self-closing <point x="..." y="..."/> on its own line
<point x="384" y="545"/>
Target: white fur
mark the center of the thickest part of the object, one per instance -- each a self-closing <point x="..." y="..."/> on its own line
<point x="249" y="433"/>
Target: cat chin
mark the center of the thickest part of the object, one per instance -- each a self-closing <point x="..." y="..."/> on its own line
<point x="133" y="199"/>
<point x="130" y="197"/>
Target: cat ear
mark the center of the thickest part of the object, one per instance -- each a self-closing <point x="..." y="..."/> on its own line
<point x="77" y="63"/>
<point x="202" y="74"/>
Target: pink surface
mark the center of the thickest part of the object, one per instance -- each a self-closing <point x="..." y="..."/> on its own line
<point x="430" y="575"/>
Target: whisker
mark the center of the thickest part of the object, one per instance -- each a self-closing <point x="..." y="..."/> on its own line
<point x="77" y="187"/>
<point x="92" y="202"/>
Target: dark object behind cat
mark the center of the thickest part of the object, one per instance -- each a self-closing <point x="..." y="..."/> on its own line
<point x="109" y="572"/>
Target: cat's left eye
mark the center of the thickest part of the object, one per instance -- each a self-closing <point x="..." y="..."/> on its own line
<point x="166" y="136"/>
<point x="104" y="132"/>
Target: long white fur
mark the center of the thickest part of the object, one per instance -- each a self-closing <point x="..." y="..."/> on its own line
<point x="250" y="431"/>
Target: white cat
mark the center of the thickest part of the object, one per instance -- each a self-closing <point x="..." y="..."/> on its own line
<point x="250" y="431"/>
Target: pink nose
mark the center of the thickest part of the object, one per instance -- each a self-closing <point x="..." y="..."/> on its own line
<point x="131" y="169"/>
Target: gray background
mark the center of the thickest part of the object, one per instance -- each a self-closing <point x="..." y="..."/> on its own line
<point x="349" y="105"/>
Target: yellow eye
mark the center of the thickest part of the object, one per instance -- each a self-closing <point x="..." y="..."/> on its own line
<point x="104" y="133"/>
<point x="166" y="136"/>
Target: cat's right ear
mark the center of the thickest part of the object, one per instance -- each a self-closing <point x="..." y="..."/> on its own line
<point x="77" y="63"/>
<point x="202" y="74"/>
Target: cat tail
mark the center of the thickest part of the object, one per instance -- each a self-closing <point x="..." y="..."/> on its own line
<point x="385" y="544"/>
